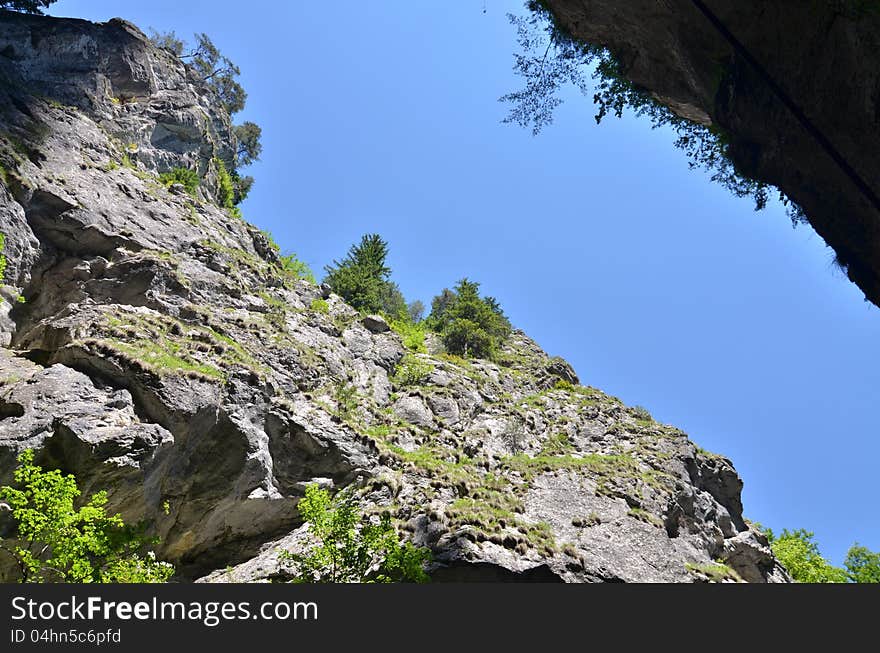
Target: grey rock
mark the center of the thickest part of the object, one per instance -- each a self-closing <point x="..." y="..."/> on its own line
<point x="445" y="408"/>
<point x="412" y="409"/>
<point x="563" y="370"/>
<point x="375" y="323"/>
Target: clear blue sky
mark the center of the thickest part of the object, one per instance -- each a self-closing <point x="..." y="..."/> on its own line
<point x="658" y="286"/>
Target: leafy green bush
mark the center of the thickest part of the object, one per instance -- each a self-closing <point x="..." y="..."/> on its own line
<point x="225" y="186"/>
<point x="412" y="334"/>
<point x="320" y="306"/>
<point x="862" y="565"/>
<point x="345" y="396"/>
<point x="189" y="179"/>
<point x="2" y="257"/>
<point x="642" y="413"/>
<point x="557" y="445"/>
<point x="362" y="278"/>
<point x="515" y="436"/>
<point x="412" y="370"/>
<point x="292" y="266"/>
<point x="470" y="326"/>
<point x="351" y="548"/>
<point x="415" y="311"/>
<point x="55" y="542"/>
<point x="800" y="556"/>
<point x="289" y="263"/>
<point x="248" y="135"/>
<point x="468" y="339"/>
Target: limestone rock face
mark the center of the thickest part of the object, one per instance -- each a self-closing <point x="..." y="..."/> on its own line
<point x="163" y="353"/>
<point x="826" y="60"/>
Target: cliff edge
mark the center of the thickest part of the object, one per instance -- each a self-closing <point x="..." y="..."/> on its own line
<point x="155" y="346"/>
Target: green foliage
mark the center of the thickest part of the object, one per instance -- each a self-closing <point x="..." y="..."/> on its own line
<point x="362" y="278"/>
<point x="56" y="542"/>
<point x="345" y="396"/>
<point x="289" y="263"/>
<point x="189" y="179"/>
<point x="168" y="41"/>
<point x="350" y="547"/>
<point x="217" y="72"/>
<point x="320" y="306"/>
<point x="514" y="436"/>
<point x="800" y="555"/>
<point x="416" y="311"/>
<point x="551" y="59"/>
<point x="412" y="334"/>
<point x="2" y="257"/>
<point x="642" y="413"/>
<point x="220" y="75"/>
<point x="378" y="431"/>
<point x="469" y="325"/>
<point x="412" y="370"/>
<point x="716" y="572"/>
<point x="296" y="268"/>
<point x="441" y="303"/>
<point x="243" y="187"/>
<point x="548" y="62"/>
<point x="466" y="338"/>
<point x="557" y="445"/>
<point x="249" y="147"/>
<point x="862" y="565"/>
<point x="27" y="6"/>
<point x="392" y="302"/>
<point x="225" y="186"/>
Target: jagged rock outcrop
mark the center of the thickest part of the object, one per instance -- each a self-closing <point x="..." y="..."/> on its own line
<point x="823" y="55"/>
<point x="163" y="352"/>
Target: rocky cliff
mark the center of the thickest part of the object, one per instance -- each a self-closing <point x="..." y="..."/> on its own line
<point x="794" y="84"/>
<point x="155" y="346"/>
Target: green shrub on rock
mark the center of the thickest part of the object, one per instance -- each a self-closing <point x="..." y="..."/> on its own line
<point x="296" y="268"/>
<point x="189" y="179"/>
<point x="349" y="547"/>
<point x="412" y="370"/>
<point x="362" y="277"/>
<point x="320" y="306"/>
<point x="470" y="325"/>
<point x="412" y="334"/>
<point x="2" y="257"/>
<point x="56" y="542"/>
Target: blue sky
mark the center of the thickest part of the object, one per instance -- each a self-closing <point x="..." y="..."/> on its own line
<point x="658" y="286"/>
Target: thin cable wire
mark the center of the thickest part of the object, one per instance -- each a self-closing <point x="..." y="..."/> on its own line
<point x="807" y="124"/>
